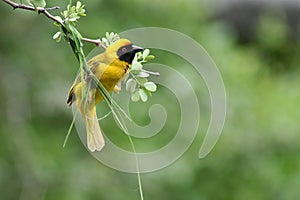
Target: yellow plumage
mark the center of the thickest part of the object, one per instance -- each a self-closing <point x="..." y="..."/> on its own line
<point x="109" y="68"/>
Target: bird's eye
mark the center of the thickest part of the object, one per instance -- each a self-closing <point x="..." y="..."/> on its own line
<point x="124" y="50"/>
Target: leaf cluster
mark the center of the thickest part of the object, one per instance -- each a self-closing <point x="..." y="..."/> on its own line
<point x="138" y="85"/>
<point x="109" y="38"/>
<point x="69" y="18"/>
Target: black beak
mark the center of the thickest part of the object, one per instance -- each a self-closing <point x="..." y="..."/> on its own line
<point x="136" y="49"/>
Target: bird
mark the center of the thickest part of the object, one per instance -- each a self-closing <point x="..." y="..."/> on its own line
<point x="108" y="68"/>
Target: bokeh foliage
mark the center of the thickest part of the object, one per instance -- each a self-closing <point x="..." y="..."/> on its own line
<point x="257" y="156"/>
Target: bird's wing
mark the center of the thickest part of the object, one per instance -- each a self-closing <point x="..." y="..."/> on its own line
<point x="94" y="64"/>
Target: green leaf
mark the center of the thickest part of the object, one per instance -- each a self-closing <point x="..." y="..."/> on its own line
<point x="111" y="35"/>
<point x="82" y="13"/>
<point x="143" y="95"/>
<point x="146" y="53"/>
<point x="141" y="80"/>
<point x="137" y="66"/>
<point x="104" y="41"/>
<point x="78" y="5"/>
<point x="150" y="86"/>
<point x="72" y="10"/>
<point x="139" y="55"/>
<point x="73" y="17"/>
<point x="150" y="57"/>
<point x="143" y="74"/>
<point x="131" y="85"/>
<point x="65" y="13"/>
<point x="39" y="3"/>
<point x="135" y="96"/>
<point x="57" y="36"/>
<point x="135" y="72"/>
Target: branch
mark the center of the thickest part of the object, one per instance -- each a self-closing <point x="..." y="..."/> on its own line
<point x="44" y="11"/>
<point x="97" y="42"/>
<point x="38" y="9"/>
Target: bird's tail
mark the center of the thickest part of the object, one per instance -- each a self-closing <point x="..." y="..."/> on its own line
<point x="95" y="140"/>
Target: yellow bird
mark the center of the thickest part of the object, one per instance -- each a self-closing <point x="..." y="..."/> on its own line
<point x="109" y="68"/>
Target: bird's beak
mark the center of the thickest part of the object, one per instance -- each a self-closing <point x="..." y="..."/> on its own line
<point x="136" y="49"/>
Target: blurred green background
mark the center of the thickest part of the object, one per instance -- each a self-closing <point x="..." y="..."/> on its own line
<point x="257" y="156"/>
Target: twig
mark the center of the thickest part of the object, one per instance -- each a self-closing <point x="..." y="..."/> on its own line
<point x="38" y="9"/>
<point x="152" y="73"/>
<point x="53" y="8"/>
<point x="97" y="42"/>
<point x="44" y="11"/>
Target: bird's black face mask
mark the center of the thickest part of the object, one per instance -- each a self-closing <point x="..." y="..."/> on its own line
<point x="127" y="53"/>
